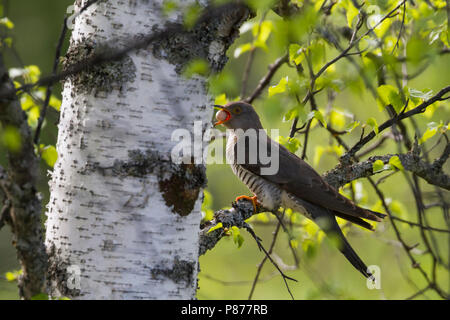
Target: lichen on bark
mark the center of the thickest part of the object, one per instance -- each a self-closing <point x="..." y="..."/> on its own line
<point x="97" y="78"/>
<point x="58" y="276"/>
<point x="179" y="272"/>
<point x="208" y="39"/>
<point x="180" y="184"/>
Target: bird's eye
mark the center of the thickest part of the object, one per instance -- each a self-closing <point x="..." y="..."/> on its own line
<point x="237" y="110"/>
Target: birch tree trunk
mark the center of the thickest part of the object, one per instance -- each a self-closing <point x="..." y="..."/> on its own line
<point x="123" y="220"/>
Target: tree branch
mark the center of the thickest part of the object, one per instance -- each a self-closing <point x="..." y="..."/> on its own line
<point x="387" y="124"/>
<point x="266" y="79"/>
<point x="19" y="187"/>
<point x="48" y="92"/>
<point x="433" y="173"/>
<point x="236" y="216"/>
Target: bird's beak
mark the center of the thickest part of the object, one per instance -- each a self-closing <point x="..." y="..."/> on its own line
<point x="222" y="115"/>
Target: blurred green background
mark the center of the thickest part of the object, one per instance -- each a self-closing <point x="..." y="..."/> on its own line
<point x="227" y="272"/>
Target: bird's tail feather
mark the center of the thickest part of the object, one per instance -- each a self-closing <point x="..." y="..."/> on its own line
<point x="327" y="222"/>
<point x="351" y="255"/>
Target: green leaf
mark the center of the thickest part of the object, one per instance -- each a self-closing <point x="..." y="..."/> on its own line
<point x="389" y="95"/>
<point x="13" y="275"/>
<point x="40" y="296"/>
<point x="221" y="99"/>
<point x="207" y="212"/>
<point x="191" y="15"/>
<point x="217" y="226"/>
<point x="292" y="144"/>
<point x="395" y="162"/>
<point x="196" y="67"/>
<point x="291" y="114"/>
<point x="337" y="119"/>
<point x="222" y="82"/>
<point x="317" y="52"/>
<point x="319" y="116"/>
<point x="294" y="243"/>
<point x="7" y="23"/>
<point x="262" y="32"/>
<point x="8" y="41"/>
<point x="320" y="150"/>
<point x="12" y="139"/>
<point x="399" y="209"/>
<point x="373" y="123"/>
<point x="310" y="248"/>
<point x="55" y="103"/>
<point x="242" y="48"/>
<point x="431" y="131"/>
<point x="296" y="53"/>
<point x="237" y="237"/>
<point x="49" y="155"/>
<point x="349" y="128"/>
<point x="169" y="6"/>
<point x="10" y="276"/>
<point x="352" y="12"/>
<point x="279" y="88"/>
<point x="417" y="50"/>
<point x="378" y="165"/>
<point x="33" y="72"/>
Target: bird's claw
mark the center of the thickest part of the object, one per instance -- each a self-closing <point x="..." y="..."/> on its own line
<point x="254" y="201"/>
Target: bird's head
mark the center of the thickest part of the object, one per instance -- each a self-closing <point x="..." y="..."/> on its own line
<point x="238" y="115"/>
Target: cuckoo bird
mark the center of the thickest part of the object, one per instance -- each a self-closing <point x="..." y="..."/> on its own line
<point x="295" y="184"/>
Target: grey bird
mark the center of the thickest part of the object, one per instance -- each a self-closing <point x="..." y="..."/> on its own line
<point x="295" y="184"/>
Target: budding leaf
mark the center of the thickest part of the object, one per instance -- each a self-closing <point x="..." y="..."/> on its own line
<point x="221" y="100"/>
<point x="49" y="155"/>
<point x="352" y="12"/>
<point x="389" y="95"/>
<point x="237" y="237"/>
<point x="319" y="116"/>
<point x="431" y="131"/>
<point x="279" y="88"/>
<point x="395" y="162"/>
<point x="217" y="226"/>
<point x="373" y="123"/>
<point x="7" y="23"/>
<point x="292" y="144"/>
<point x="377" y="166"/>
<point x="296" y="53"/>
<point x="349" y="128"/>
<point x="242" y="48"/>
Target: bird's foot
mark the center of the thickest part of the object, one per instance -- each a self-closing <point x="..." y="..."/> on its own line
<point x="254" y="201"/>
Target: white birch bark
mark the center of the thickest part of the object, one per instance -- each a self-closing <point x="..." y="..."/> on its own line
<point x="121" y="223"/>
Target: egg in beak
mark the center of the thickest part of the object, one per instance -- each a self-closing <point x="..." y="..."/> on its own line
<point x="222" y="115"/>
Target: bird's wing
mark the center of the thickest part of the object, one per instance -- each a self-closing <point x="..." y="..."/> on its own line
<point x="300" y="179"/>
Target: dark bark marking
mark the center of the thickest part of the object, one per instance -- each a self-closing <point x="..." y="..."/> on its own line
<point x="181" y="271"/>
<point x="102" y="78"/>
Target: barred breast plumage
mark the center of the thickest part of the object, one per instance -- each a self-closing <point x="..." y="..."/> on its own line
<point x="268" y="193"/>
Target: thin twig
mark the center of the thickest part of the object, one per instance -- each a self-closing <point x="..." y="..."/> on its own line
<point x="266" y="79"/>
<point x="251" y="57"/>
<point x="261" y="247"/>
<point x="261" y="264"/>
<point x="387" y="124"/>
